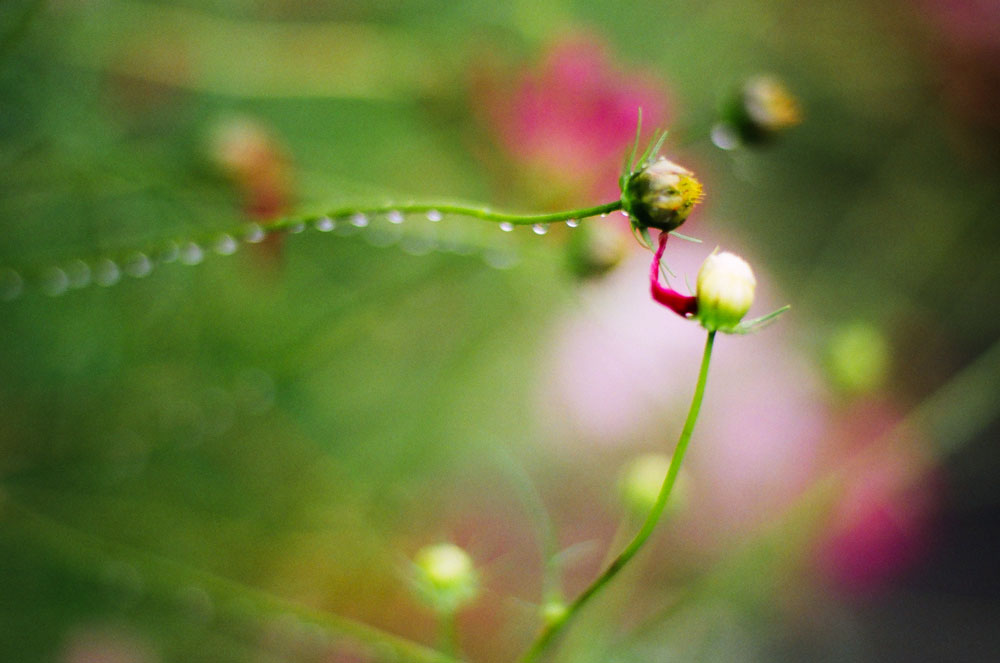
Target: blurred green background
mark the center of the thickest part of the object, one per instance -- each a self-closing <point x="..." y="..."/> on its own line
<point x="185" y="446"/>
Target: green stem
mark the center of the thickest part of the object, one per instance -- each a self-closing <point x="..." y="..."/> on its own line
<point x="448" y="639"/>
<point x="256" y="231"/>
<point x="459" y="209"/>
<point x="553" y="629"/>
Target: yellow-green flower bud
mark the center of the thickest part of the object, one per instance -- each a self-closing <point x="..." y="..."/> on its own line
<point x="725" y="291"/>
<point x="661" y="195"/>
<point x="445" y="576"/>
<point x="763" y="108"/>
<point x="857" y="358"/>
<point x="641" y="481"/>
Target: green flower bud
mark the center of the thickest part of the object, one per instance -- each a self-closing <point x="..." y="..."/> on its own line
<point x="445" y="576"/>
<point x="554" y="611"/>
<point x="594" y="249"/>
<point x="725" y="291"/>
<point x="661" y="195"/>
<point x="857" y="358"/>
<point x="642" y="480"/>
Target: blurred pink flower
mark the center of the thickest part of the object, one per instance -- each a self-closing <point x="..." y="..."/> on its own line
<point x="570" y="118"/>
<point x="882" y="522"/>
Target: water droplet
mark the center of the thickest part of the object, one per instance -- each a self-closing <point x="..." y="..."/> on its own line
<point x="325" y="224"/>
<point x="138" y="265"/>
<point x="395" y="216"/>
<point x="11" y="284"/>
<point x="604" y="215"/>
<point x="500" y="259"/>
<point x="572" y="223"/>
<point x="623" y="213"/>
<point x="79" y="274"/>
<point x="191" y="254"/>
<point x="168" y="253"/>
<point x="226" y="245"/>
<point x="54" y="282"/>
<point x="106" y="273"/>
<point x="359" y="220"/>
<point x="433" y="215"/>
<point x="725" y="137"/>
<point x="506" y="226"/>
<point x="254" y="234"/>
<point x="296" y="228"/>
<point x="540" y="228"/>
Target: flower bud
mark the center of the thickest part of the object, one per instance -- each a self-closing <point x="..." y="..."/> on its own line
<point x="594" y="249"/>
<point x="661" y="195"/>
<point x="857" y="358"/>
<point x="763" y="108"/>
<point x="725" y="291"/>
<point x="445" y="576"/>
<point x="642" y="480"/>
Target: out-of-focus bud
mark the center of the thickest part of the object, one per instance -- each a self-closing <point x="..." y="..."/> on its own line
<point x="641" y="481"/>
<point x="725" y="291"/>
<point x="595" y="249"/>
<point x="554" y="611"/>
<point x="445" y="576"/>
<point x="763" y="108"/>
<point x="661" y="195"/>
<point x="857" y="358"/>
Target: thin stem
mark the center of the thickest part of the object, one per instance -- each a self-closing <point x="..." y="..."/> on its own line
<point x="256" y="231"/>
<point x="553" y="629"/>
<point x="484" y="213"/>
<point x="447" y="638"/>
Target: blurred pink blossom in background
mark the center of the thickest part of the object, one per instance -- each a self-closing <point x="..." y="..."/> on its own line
<point x="882" y="523"/>
<point x="570" y="118"/>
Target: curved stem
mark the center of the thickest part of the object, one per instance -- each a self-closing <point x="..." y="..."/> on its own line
<point x="255" y="231"/>
<point x="553" y="629"/>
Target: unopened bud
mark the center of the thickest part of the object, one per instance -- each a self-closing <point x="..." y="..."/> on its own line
<point x="445" y="576"/>
<point x="857" y="358"/>
<point x="725" y="291"/>
<point x="661" y="195"/>
<point x="763" y="108"/>
<point x="641" y="482"/>
<point x="594" y="249"/>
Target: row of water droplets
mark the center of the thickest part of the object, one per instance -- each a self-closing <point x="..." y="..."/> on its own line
<point x="381" y="229"/>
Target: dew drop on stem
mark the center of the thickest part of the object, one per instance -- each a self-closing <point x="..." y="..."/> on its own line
<point x="540" y="228"/>
<point x="226" y="245"/>
<point x="11" y="284"/>
<point x="79" y="274"/>
<point x="138" y="265"/>
<point x="325" y="224"/>
<point x="254" y="234"/>
<point x="54" y="282"/>
<point x="106" y="272"/>
<point x="506" y="226"/>
<point x="191" y="254"/>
